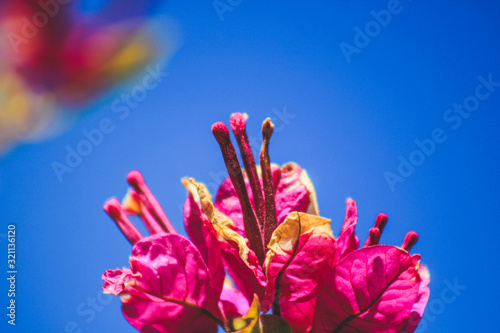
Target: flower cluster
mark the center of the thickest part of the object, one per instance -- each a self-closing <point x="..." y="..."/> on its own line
<point x="264" y="231"/>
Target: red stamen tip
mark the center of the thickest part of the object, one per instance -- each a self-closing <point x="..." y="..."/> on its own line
<point x="113" y="208"/>
<point x="267" y="128"/>
<point x="135" y="179"/>
<point x="381" y="221"/>
<point x="410" y="240"/>
<point x="221" y="133"/>
<point x="238" y="122"/>
<point x="115" y="211"/>
<point x="374" y="236"/>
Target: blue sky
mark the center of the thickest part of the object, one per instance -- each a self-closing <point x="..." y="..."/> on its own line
<point x="348" y="118"/>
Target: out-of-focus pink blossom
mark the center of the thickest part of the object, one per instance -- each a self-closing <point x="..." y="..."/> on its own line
<point x="55" y="61"/>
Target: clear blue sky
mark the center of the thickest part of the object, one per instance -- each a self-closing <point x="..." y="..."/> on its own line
<point x="348" y="124"/>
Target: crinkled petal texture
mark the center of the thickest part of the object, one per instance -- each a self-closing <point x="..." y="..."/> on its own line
<point x="298" y="251"/>
<point x="373" y="289"/>
<point x="171" y="268"/>
<point x="239" y="260"/>
<point x="114" y="280"/>
<point x="293" y="192"/>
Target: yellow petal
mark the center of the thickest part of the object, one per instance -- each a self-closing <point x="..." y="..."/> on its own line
<point x="131" y="204"/>
<point x="285" y="236"/>
<point x="250" y="319"/>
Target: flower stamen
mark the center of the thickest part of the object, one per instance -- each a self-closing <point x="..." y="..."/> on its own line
<point x="149" y="221"/>
<point x="238" y="125"/>
<point x="270" y="223"/>
<point x="149" y="201"/>
<point x="374" y="237"/>
<point x="380" y="223"/>
<point x="411" y="239"/>
<point x="115" y="211"/>
<point x="252" y="228"/>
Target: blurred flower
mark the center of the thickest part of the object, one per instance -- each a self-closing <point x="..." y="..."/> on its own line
<point x="59" y="59"/>
<point x="265" y="232"/>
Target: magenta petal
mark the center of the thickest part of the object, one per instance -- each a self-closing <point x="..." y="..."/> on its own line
<point x="373" y="289"/>
<point x="232" y="302"/>
<point x="204" y="237"/>
<point x="170" y="267"/>
<point x="114" y="280"/>
<point x="299" y="266"/>
<point x="423" y="296"/>
<point x="228" y="203"/>
<point x="295" y="192"/>
<point x="347" y="240"/>
<point x="247" y="276"/>
<point x="193" y="222"/>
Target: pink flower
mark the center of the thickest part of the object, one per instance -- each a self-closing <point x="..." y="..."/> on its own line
<point x="377" y="288"/>
<point x="263" y="229"/>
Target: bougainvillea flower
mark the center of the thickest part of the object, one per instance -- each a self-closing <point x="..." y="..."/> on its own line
<point x="264" y="230"/>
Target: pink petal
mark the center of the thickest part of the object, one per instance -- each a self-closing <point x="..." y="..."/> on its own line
<point x="228" y="203"/>
<point x="298" y="266"/>
<point x="373" y="289"/>
<point x="423" y="296"/>
<point x="247" y="276"/>
<point x="295" y="192"/>
<point x="114" y="280"/>
<point x="347" y="240"/>
<point x="232" y="302"/>
<point x="204" y="237"/>
<point x="171" y="267"/>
